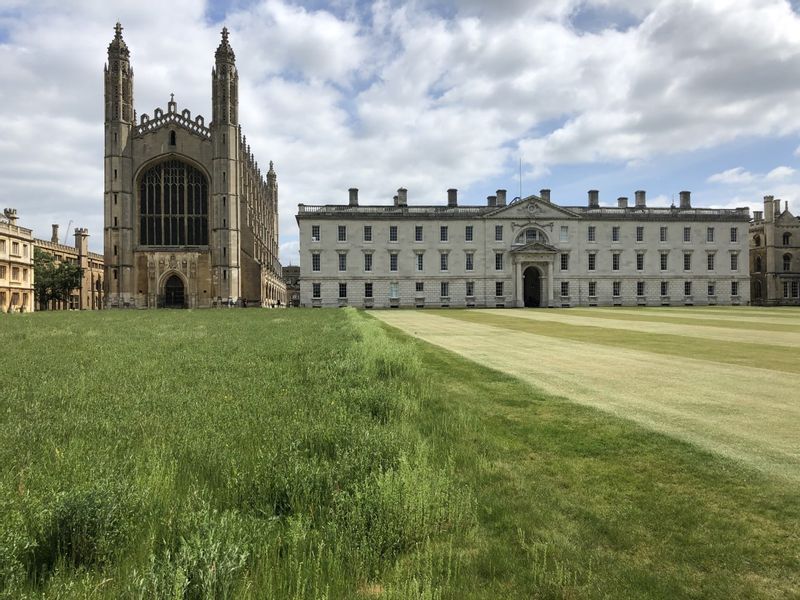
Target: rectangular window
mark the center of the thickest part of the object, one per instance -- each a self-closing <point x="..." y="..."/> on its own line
<point x="3" y="246"/>
<point x="443" y="261"/>
<point x="498" y="261"/>
<point x="342" y="290"/>
<point x="342" y="233"/>
<point x="640" y="288"/>
<point x="470" y="288"/>
<point x="393" y="261"/>
<point x="420" y="261"/>
<point x="498" y="233"/>
<point x="420" y="286"/>
<point x="592" y="289"/>
<point x="468" y="232"/>
<point x="665" y="288"/>
<point x="564" y="237"/>
<point x="785" y="289"/>
<point x="418" y="233"/>
<point x="15" y="248"/>
<point x="315" y="261"/>
<point x="687" y="234"/>
<point x="710" y="262"/>
<point x="498" y="288"/>
<point x="444" y="290"/>
<point x="640" y="261"/>
<point x="392" y="233"/>
<point x="469" y="261"/>
<point x="564" y="288"/>
<point x="343" y="262"/>
<point x="368" y="290"/>
<point x="615" y="288"/>
<point x="712" y="288"/>
<point x="2" y="274"/>
<point x="687" y="261"/>
<point x="734" y="234"/>
<point x="315" y="233"/>
<point x="14" y="273"/>
<point x="394" y="291"/>
<point x="443" y="233"/>
<point x="662" y="233"/>
<point x="592" y="261"/>
<point x="734" y="288"/>
<point x="710" y="234"/>
<point x="565" y="261"/>
<point x="591" y="234"/>
<point x="615" y="233"/>
<point x="316" y="290"/>
<point x="687" y="288"/>
<point x="368" y="262"/>
<point x="639" y="233"/>
<point x="615" y="261"/>
<point x="367" y="233"/>
<point x="24" y="274"/>
<point x="664" y="261"/>
<point x="795" y="289"/>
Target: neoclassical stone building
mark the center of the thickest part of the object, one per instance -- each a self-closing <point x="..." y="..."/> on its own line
<point x="775" y="255"/>
<point x="531" y="252"/>
<point x="189" y="218"/>
<point x="16" y="264"/>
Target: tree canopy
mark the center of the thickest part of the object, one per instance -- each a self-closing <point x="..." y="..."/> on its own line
<point x="53" y="280"/>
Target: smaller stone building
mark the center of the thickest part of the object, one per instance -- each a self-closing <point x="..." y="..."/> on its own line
<point x="291" y="275"/>
<point x="16" y="264"/>
<point x="775" y="255"/>
<point x="89" y="296"/>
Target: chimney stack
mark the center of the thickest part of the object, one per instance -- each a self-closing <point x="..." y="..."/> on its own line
<point x="544" y="195"/>
<point x="11" y="215"/>
<point x="353" y="196"/>
<point x="491" y="200"/>
<point x="402" y="197"/>
<point x="758" y="215"/>
<point x="82" y="241"/>
<point x="640" y="199"/>
<point x="54" y="237"/>
<point x="594" y="199"/>
<point x="686" y="199"/>
<point x="452" y="197"/>
<point x="622" y="202"/>
<point x="501" y="197"/>
<point x="769" y="209"/>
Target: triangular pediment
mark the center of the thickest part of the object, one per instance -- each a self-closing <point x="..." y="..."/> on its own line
<point x="533" y="207"/>
<point x="537" y="247"/>
<point x="786" y="217"/>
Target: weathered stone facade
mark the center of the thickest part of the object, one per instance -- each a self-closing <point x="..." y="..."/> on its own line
<point x="16" y="264"/>
<point x="775" y="255"/>
<point x="89" y="296"/>
<point x="531" y="252"/>
<point x="189" y="218"/>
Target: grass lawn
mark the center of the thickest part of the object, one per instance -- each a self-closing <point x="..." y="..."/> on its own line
<point x="321" y="454"/>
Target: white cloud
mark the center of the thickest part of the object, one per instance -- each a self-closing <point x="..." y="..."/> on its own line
<point x="398" y="94"/>
<point x="735" y="176"/>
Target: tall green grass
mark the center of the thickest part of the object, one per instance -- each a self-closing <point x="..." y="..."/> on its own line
<point x="219" y="454"/>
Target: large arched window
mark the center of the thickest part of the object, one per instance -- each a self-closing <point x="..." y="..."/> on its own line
<point x="530" y="235"/>
<point x="173" y="206"/>
<point x="787" y="262"/>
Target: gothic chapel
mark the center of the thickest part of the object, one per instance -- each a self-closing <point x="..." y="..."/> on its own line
<point x="189" y="219"/>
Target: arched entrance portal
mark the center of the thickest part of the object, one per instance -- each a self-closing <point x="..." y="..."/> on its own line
<point x="174" y="292"/>
<point x="532" y="287"/>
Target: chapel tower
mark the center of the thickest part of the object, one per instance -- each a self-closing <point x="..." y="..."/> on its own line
<point x="119" y="120"/>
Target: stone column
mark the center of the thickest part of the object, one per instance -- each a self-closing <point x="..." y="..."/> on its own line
<point x="550" y="283"/>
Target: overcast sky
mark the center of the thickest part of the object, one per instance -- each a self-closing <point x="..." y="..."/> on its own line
<point x="618" y="95"/>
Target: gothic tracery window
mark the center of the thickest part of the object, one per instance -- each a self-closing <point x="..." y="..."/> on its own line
<point x="173" y="206"/>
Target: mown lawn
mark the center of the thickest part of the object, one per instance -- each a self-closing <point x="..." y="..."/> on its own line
<point x="320" y="454"/>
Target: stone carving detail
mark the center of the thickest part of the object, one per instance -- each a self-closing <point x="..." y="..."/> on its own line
<point x="173" y="262"/>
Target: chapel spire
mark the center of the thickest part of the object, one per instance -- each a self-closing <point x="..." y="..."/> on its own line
<point x="225" y="90"/>
<point x="119" y="80"/>
<point x="224" y="51"/>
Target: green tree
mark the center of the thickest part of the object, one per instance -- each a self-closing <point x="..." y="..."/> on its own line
<point x="53" y="280"/>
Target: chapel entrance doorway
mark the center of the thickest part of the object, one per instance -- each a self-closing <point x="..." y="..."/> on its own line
<point x="532" y="287"/>
<point x="174" y="292"/>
